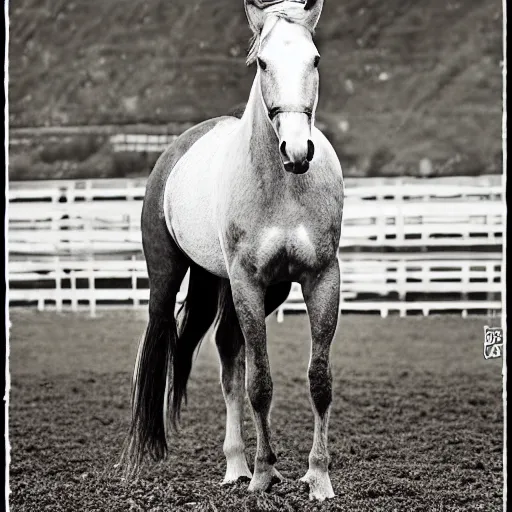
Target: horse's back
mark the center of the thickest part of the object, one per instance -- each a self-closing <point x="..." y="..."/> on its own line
<point x="170" y="157"/>
<point x="155" y="232"/>
<point x="179" y="199"/>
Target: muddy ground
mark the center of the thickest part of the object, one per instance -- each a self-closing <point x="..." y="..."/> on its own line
<point x="416" y="422"/>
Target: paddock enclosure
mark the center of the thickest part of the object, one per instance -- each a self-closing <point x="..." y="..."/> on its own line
<point x="417" y="419"/>
<point x="416" y="424"/>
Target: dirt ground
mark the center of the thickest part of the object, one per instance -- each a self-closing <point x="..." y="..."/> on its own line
<point x="416" y="422"/>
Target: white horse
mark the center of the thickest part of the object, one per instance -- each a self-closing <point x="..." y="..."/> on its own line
<point x="249" y="205"/>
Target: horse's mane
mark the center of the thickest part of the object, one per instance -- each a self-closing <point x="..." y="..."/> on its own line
<point x="275" y="14"/>
<point x="238" y="111"/>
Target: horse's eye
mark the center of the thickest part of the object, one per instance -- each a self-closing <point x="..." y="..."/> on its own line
<point x="317" y="61"/>
<point x="262" y="64"/>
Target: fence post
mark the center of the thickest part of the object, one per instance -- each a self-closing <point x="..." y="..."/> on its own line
<point x="423" y="234"/>
<point x="490" y="228"/>
<point x="92" y="287"/>
<point x="490" y="281"/>
<point x="425" y="273"/>
<point x="131" y="190"/>
<point x="68" y="194"/>
<point x="134" y="282"/>
<point x="400" y="221"/>
<point x="88" y="190"/>
<point x="74" y="299"/>
<point x="401" y="279"/>
<point x="380" y="222"/>
<point x="58" y="285"/>
<point x="465" y="286"/>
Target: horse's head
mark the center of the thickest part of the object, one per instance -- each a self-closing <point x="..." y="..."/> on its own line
<point x="287" y="62"/>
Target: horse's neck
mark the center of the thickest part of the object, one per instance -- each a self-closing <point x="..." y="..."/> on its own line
<point x="259" y="139"/>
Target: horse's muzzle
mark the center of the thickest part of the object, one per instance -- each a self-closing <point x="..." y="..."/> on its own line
<point x="301" y="166"/>
<point x="297" y="167"/>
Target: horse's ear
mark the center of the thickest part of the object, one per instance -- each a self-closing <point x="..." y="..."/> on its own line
<point x="313" y="9"/>
<point x="256" y="11"/>
<point x="255" y="15"/>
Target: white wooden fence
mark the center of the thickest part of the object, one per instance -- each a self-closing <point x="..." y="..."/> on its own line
<point x="391" y="189"/>
<point x="141" y="142"/>
<point x="78" y="244"/>
<point x="386" y="282"/>
<point x="114" y="226"/>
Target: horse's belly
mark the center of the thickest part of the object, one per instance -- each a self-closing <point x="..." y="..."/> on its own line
<point x="196" y="236"/>
<point x="189" y="203"/>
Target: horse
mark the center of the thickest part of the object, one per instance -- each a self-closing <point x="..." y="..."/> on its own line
<point x="248" y="204"/>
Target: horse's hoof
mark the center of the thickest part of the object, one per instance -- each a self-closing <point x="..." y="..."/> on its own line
<point x="237" y="470"/>
<point x="236" y="479"/>
<point x="237" y="475"/>
<point x="264" y="481"/>
<point x="319" y="484"/>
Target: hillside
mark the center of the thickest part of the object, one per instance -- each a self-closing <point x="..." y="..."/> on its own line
<point x="401" y="80"/>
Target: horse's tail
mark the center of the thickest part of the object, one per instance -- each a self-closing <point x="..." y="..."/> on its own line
<point x="162" y="369"/>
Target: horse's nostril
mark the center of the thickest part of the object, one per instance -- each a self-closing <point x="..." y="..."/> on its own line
<point x="283" y="148"/>
<point x="297" y="168"/>
<point x="302" y="168"/>
<point x="311" y="151"/>
<point x="289" y="166"/>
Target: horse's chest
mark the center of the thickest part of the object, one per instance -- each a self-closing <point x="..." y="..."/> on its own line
<point x="275" y="252"/>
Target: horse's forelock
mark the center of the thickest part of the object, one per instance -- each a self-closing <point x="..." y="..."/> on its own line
<point x="275" y="14"/>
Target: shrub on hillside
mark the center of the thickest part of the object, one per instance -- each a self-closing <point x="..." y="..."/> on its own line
<point x="379" y="159"/>
<point x="20" y="166"/>
<point x="131" y="163"/>
<point x="496" y="166"/>
<point x="99" y="165"/>
<point x="74" y="149"/>
<point x="463" y="165"/>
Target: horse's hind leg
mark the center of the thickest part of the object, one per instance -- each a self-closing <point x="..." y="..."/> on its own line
<point x="230" y="344"/>
<point x="321" y="294"/>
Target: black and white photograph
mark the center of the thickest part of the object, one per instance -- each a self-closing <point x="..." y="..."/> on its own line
<point x="255" y="255"/>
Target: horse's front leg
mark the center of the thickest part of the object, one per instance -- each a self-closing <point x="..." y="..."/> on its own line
<point x="249" y="301"/>
<point x="321" y="294"/>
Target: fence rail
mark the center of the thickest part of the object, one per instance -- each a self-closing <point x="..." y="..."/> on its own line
<point x="114" y="226"/>
<point x="78" y="244"/>
<point x="386" y="283"/>
<point x="483" y="187"/>
<point x="149" y="143"/>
